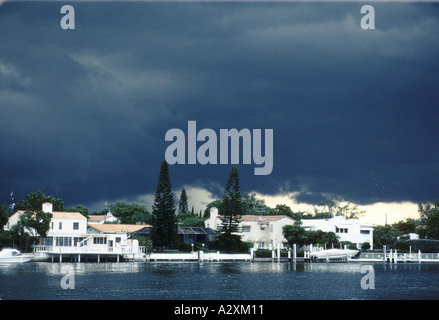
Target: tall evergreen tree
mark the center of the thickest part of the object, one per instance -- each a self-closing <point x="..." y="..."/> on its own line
<point x="164" y="220"/>
<point x="231" y="209"/>
<point x="182" y="205"/>
<point x="4" y="215"/>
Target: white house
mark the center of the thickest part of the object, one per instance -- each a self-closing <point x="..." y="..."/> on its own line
<point x="62" y="225"/>
<point x="352" y="230"/>
<point x="69" y="233"/>
<point x="13" y="220"/>
<point x="110" y="236"/>
<point x="66" y="228"/>
<point x="262" y="231"/>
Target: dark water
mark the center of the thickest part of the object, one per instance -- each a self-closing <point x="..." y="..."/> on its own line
<point x="217" y="281"/>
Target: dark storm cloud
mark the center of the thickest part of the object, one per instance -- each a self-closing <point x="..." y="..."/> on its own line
<point x="85" y="111"/>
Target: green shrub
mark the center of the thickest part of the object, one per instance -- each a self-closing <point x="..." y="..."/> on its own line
<point x="284" y="253"/>
<point x="263" y="253"/>
<point x="185" y="247"/>
<point x="267" y="253"/>
<point x="402" y="245"/>
<point x="425" y="245"/>
<point x="231" y="245"/>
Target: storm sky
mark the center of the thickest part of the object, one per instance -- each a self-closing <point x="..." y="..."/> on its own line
<point x="84" y="112"/>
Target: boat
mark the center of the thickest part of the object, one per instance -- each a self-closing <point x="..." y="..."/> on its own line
<point x="14" y="256"/>
<point x="333" y="254"/>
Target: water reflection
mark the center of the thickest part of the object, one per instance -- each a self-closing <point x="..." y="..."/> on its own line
<point x="230" y="268"/>
<point x="87" y="268"/>
<point x="218" y="280"/>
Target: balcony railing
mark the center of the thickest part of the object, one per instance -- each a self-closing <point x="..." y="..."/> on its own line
<point x="90" y="249"/>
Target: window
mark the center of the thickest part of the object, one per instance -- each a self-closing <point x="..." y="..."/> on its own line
<point x="76" y="240"/>
<point x="60" y="226"/>
<point x="99" y="240"/>
<point x="75" y="225"/>
<point x="341" y="230"/>
<point x="118" y="239"/>
<point x="271" y="228"/>
<point x="365" y="231"/>
<point x="63" y="241"/>
<point x="51" y="225"/>
<point x="245" y="228"/>
<point x="261" y="245"/>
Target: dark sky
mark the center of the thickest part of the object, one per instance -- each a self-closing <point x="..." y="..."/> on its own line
<point x="84" y="112"/>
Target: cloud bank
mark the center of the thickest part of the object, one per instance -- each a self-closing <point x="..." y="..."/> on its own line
<point x="84" y="112"/>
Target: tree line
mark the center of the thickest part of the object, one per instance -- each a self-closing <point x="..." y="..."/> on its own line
<point x="166" y="218"/>
<point x="427" y="227"/>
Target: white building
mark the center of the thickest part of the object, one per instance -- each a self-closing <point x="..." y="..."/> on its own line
<point x="352" y="230"/>
<point x="66" y="228"/>
<point x="111" y="236"/>
<point x="69" y="233"/>
<point x="263" y="231"/>
<point x="63" y="224"/>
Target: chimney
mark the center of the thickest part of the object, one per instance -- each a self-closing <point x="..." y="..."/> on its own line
<point x="213" y="213"/>
<point x="47" y="207"/>
<point x="213" y="217"/>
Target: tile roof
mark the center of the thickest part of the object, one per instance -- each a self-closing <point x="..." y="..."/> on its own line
<point x="68" y="215"/>
<point x="250" y="217"/>
<point x="60" y="214"/>
<point x="98" y="218"/>
<point x="264" y="218"/>
<point x="117" y="228"/>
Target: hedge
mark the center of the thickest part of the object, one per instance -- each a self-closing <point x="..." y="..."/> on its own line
<point x="425" y="245"/>
<point x="266" y="253"/>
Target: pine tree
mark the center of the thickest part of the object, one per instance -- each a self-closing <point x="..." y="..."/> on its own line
<point x="164" y="221"/>
<point x="231" y="210"/>
<point x="182" y="205"/>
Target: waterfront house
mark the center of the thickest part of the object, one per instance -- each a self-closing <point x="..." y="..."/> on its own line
<point x="267" y="231"/>
<point x="111" y="236"/>
<point x="263" y="231"/>
<point x="352" y="230"/>
<point x="66" y="228"/>
<point x="69" y="233"/>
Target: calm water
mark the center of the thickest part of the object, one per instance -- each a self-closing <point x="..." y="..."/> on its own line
<point x="215" y="281"/>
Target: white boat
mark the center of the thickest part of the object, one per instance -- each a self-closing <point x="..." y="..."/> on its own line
<point x="333" y="254"/>
<point x="14" y="256"/>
